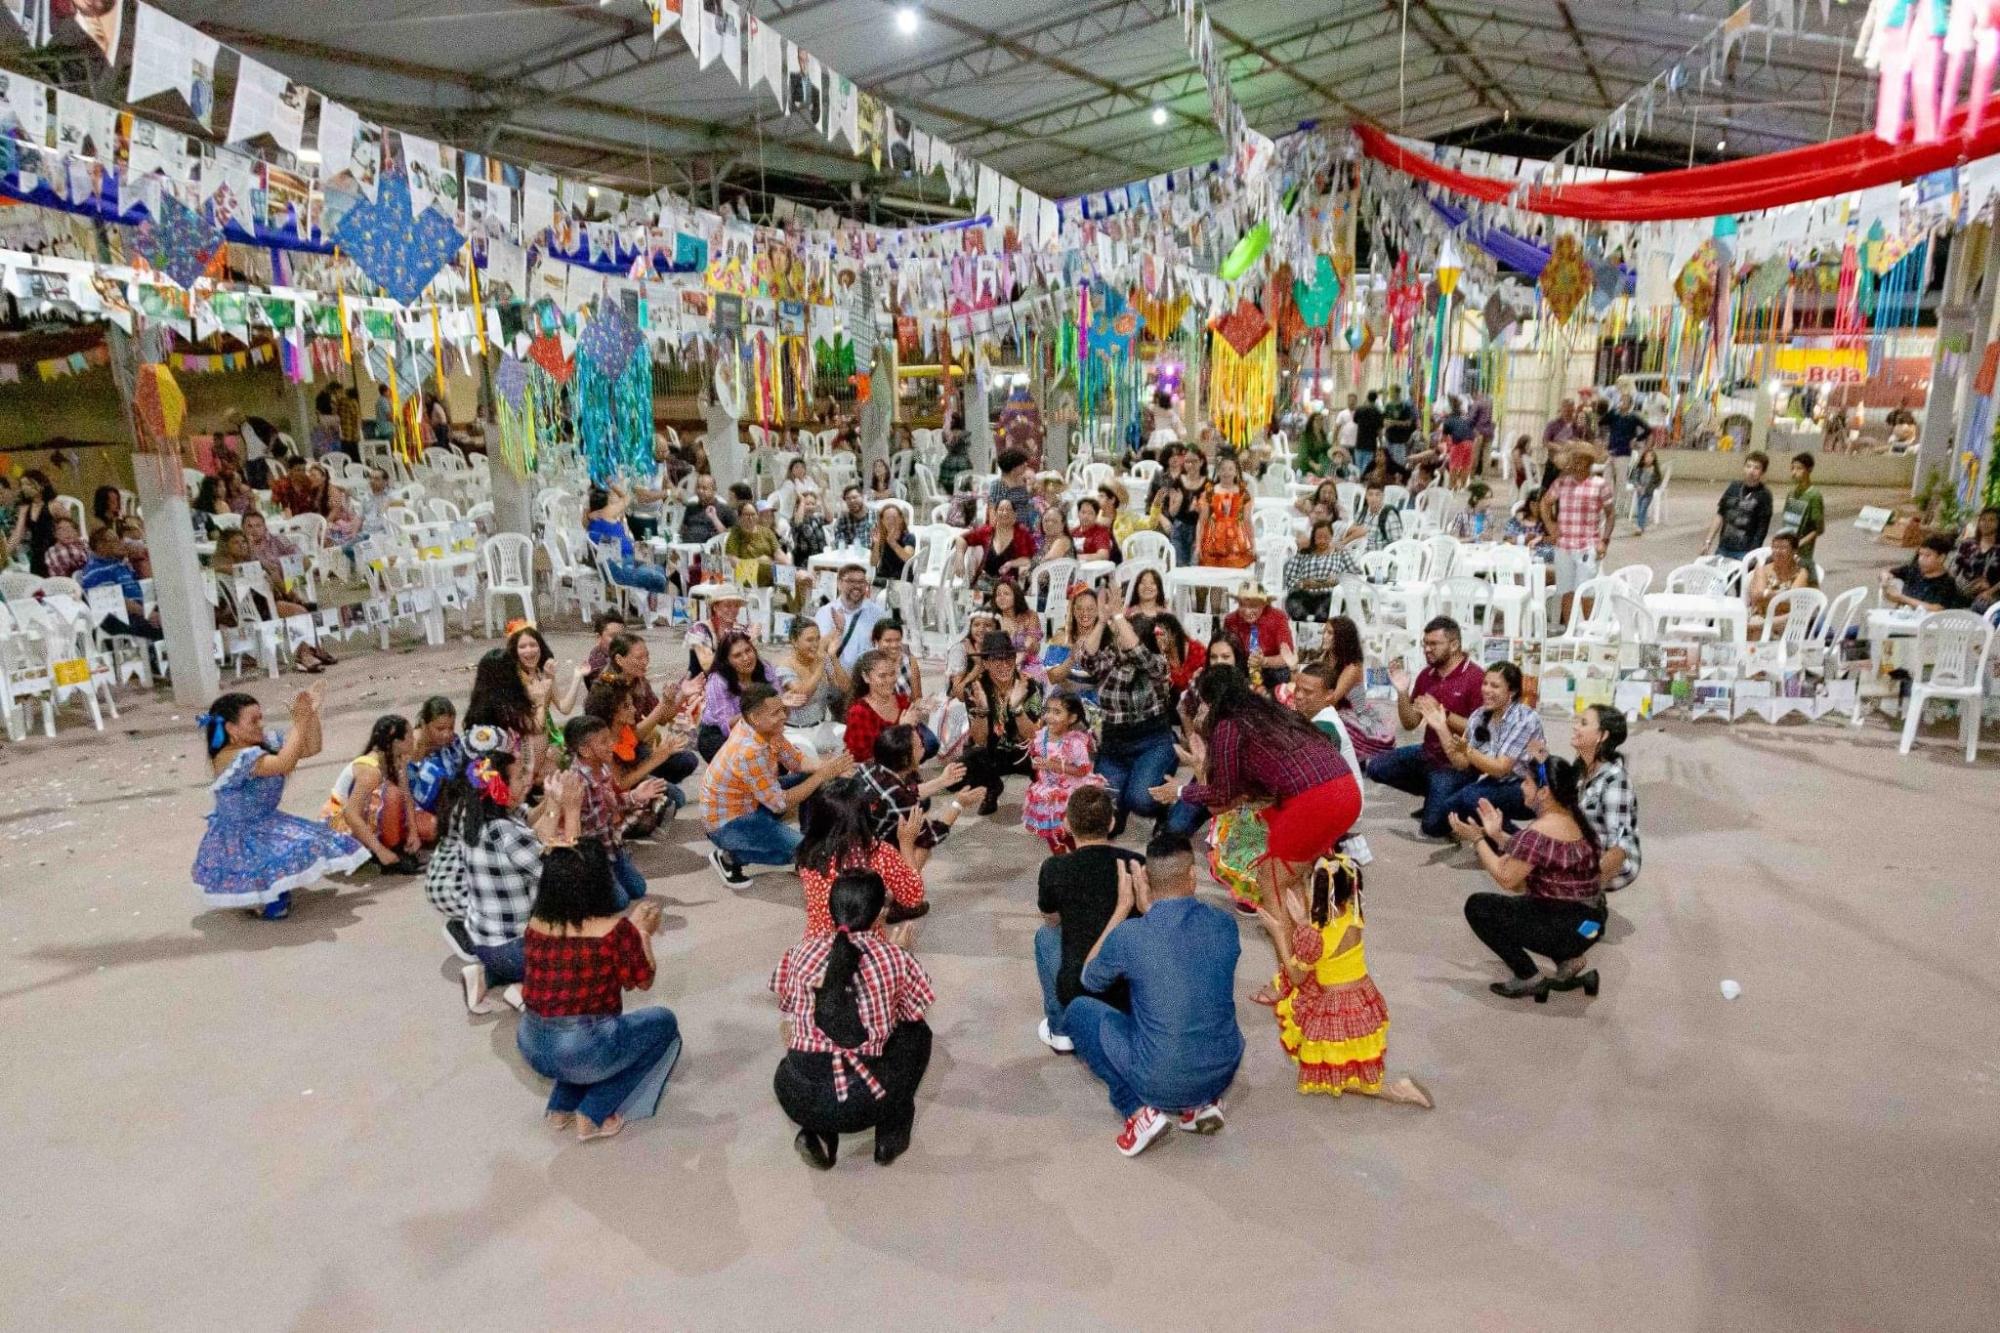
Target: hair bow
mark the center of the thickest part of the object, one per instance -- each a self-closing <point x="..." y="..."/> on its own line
<point x="487" y="781"/>
<point x="215" y="728"/>
<point x="486" y="739"/>
<point x="1079" y="588"/>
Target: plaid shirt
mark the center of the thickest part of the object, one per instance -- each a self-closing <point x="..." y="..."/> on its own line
<point x="891" y="797"/>
<point x="1135" y="688"/>
<point x="743" y="777"/>
<point x="444" y="878"/>
<point x="1312" y="567"/>
<point x="1510" y="736"/>
<point x="851" y="533"/>
<point x="1383" y="528"/>
<point x="604" y="807"/>
<point x="1611" y="806"/>
<point x="570" y="976"/>
<point x="1580" y="512"/>
<point x="890" y="987"/>
<point x="1261" y="763"/>
<point x="502" y="872"/>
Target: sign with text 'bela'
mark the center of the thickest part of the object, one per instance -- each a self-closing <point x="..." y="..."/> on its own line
<point x="1822" y="365"/>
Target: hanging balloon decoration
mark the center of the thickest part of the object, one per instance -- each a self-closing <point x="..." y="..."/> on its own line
<point x="1247" y="252"/>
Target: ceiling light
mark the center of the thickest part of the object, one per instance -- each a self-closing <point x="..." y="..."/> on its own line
<point x="1159" y="115"/>
<point x="907" y="20"/>
<point x="309" y="156"/>
<point x="593" y="192"/>
<point x="1721" y="144"/>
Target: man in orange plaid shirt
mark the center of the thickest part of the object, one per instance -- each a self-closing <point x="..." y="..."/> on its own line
<point x="755" y="780"/>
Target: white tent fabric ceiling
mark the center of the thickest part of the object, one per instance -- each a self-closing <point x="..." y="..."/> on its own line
<point x="1056" y="93"/>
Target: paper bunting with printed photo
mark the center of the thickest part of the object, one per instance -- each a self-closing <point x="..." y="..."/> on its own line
<point x="398" y="250"/>
<point x="610" y="339"/>
<point x="180" y="242"/>
<point x="545" y="341"/>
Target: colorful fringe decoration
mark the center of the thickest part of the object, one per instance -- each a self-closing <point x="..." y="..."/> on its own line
<point x="613" y="398"/>
<point x="1243" y="375"/>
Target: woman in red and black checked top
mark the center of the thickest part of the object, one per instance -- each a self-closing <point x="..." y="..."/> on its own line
<point x="840" y="835"/>
<point x="853" y="1004"/>
<point x="580" y="954"/>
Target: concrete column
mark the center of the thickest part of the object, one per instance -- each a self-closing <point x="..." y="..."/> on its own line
<point x="304" y="419"/>
<point x="878" y="412"/>
<point x="513" y="497"/>
<point x="185" y="615"/>
<point x="1972" y="283"/>
<point x="727" y="458"/>
<point x="978" y="425"/>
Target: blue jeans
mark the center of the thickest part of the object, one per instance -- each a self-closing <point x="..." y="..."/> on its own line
<point x="760" y="838"/>
<point x="631" y="884"/>
<point x="603" y="1064"/>
<point x="649" y="578"/>
<point x="1505" y="793"/>
<point x="1186" y="818"/>
<point x="1182" y="536"/>
<point x="1132" y="768"/>
<point x="1407" y="769"/>
<point x="1048" y="962"/>
<point x="1642" y="506"/>
<point x="1103" y="1037"/>
<point x="504" y="962"/>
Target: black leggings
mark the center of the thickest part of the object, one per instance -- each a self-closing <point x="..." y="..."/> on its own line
<point x="989" y="768"/>
<point x="1515" y="925"/>
<point x="804" y="1084"/>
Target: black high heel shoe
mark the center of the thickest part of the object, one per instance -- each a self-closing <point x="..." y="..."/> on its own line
<point x="1587" y="980"/>
<point x="1520" y="987"/>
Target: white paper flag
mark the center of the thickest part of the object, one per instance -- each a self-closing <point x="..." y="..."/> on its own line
<point x="690" y="23"/>
<point x="538" y="205"/>
<point x="728" y="21"/>
<point x="666" y="14"/>
<point x="24" y="109"/>
<point x="267" y="102"/>
<point x="171" y="56"/>
<point x="423" y="163"/>
<point x="767" y="59"/>
<point x="338" y="126"/>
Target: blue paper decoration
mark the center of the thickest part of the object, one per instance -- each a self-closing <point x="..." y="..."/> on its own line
<point x="180" y="241"/>
<point x="690" y="253"/>
<point x="399" y="251"/>
<point x="511" y="381"/>
<point x="610" y="340"/>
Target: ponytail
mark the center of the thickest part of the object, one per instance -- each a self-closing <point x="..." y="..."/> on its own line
<point x="855" y="902"/>
<point x="1565" y="787"/>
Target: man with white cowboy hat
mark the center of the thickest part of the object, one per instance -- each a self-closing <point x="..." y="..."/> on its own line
<point x="1579" y="510"/>
<point x="1262" y="635"/>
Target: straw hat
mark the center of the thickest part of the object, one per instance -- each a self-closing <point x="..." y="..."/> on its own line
<point x="1253" y="592"/>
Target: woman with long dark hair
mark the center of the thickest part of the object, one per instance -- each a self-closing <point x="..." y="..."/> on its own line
<point x="841" y="833"/>
<point x="497" y="847"/>
<point x="1370" y="732"/>
<point x="1185" y="657"/>
<point x="499" y="698"/>
<point x="1247" y="748"/>
<point x="1552" y="903"/>
<point x="1606" y="799"/>
<point x="737" y="663"/>
<point x="853" y="1002"/>
<point x="254" y="854"/>
<point x="370" y="803"/>
<point x="35" y="520"/>
<point x="579" y="952"/>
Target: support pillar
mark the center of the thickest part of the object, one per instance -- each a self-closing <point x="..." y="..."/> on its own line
<point x="879" y="409"/>
<point x="304" y="419"/>
<point x="185" y="615"/>
<point x="1968" y="319"/>
<point x="726" y="455"/>
<point x="513" y="497"/>
<point x="978" y="425"/>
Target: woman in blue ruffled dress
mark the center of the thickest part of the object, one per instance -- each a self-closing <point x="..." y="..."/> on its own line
<point x="254" y="854"/>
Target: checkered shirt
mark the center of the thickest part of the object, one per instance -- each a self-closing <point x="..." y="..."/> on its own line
<point x="890" y="987"/>
<point x="1580" y="512"/>
<point x="444" y="878"/>
<point x="503" y="870"/>
<point x="1507" y="737"/>
<point x="1611" y="806"/>
<point x="603" y="805"/>
<point x="744" y="776"/>
<point x="851" y="533"/>
<point x="1135" y="688"/>
<point x="568" y="976"/>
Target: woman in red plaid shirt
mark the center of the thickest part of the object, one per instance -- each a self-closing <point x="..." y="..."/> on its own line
<point x="854" y="1004"/>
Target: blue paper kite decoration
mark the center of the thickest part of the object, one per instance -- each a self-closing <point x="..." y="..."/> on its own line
<point x="613" y="397"/>
<point x="610" y="339"/>
<point x="511" y="381"/>
<point x="1113" y="325"/>
<point x="180" y="242"/>
<point x="399" y="251"/>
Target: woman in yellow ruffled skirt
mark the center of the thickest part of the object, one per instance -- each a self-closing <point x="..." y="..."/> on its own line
<point x="1331" y="1019"/>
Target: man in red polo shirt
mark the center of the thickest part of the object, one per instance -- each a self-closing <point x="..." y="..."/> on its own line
<point x="1454" y="680"/>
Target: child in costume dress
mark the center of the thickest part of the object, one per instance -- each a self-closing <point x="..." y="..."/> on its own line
<point x="254" y="854"/>
<point x="1332" y="1021"/>
<point x="1060" y="754"/>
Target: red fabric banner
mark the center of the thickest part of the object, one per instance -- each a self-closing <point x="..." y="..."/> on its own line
<point x="1770" y="181"/>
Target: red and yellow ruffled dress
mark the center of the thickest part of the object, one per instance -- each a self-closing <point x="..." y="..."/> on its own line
<point x="1226" y="540"/>
<point x="1334" y="1024"/>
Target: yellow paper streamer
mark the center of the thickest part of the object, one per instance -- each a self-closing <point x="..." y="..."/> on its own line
<point x="437" y="347"/>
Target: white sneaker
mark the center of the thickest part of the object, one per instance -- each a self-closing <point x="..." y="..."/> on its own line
<point x="478" y="1000"/>
<point x="1062" y="1045"/>
<point x="1204" y="1119"/>
<point x="1141" y="1128"/>
<point x="512" y="995"/>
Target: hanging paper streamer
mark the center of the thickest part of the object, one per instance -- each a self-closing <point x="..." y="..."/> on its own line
<point x="614" y="396"/>
<point x="1243" y="378"/>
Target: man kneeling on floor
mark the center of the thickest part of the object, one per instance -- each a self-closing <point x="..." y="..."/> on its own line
<point x="755" y="780"/>
<point x="1175" y="1053"/>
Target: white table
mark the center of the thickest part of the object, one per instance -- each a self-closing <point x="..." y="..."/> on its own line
<point x="1183" y="583"/>
<point x="1890" y="622"/>
<point x="1730" y="615"/>
<point x="1096" y="573"/>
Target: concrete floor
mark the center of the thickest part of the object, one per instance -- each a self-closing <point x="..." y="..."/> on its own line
<point x="211" y="1121"/>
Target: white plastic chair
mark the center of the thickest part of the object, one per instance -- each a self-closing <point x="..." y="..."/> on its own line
<point x="1803" y="610"/>
<point x="1699" y="579"/>
<point x="1048" y="592"/>
<point x="73" y="508"/>
<point x="1463" y="599"/>
<point x="1149" y="546"/>
<point x="509" y="562"/>
<point x="1952" y="647"/>
<point x="1639" y="578"/>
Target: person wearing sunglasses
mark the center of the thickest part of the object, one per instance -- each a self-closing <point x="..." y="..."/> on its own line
<point x="1487" y="757"/>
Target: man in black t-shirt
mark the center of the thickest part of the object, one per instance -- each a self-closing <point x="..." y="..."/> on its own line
<point x="1078" y="894"/>
<point x="1743" y="515"/>
<point x="1367" y="433"/>
<point x="1399" y="427"/>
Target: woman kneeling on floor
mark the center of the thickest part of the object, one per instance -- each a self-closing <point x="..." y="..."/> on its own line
<point x="853" y="1005"/>
<point x="579" y="952"/>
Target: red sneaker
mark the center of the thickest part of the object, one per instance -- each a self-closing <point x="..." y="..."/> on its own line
<point x="1203" y="1119"/>
<point x="1141" y="1128"/>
